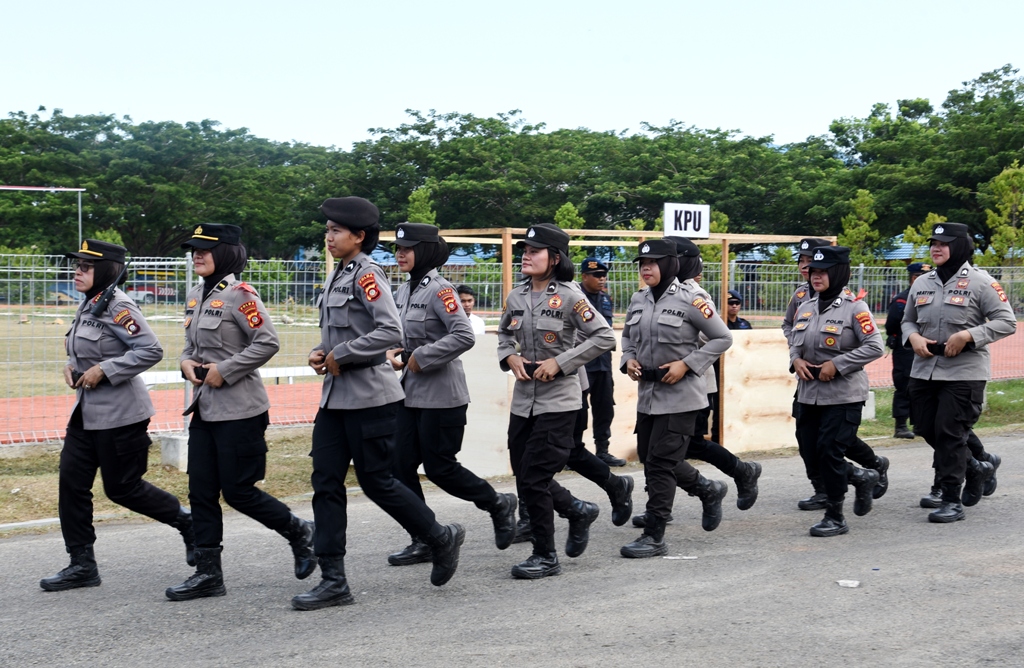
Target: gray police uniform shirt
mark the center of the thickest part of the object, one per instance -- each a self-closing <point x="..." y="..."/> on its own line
<point x="803" y="294"/>
<point x="436" y="331"/>
<point x="970" y="300"/>
<point x="547" y="330"/>
<point x="844" y="332"/>
<point x="359" y="322"/>
<point x="232" y="329"/>
<point x="123" y="344"/>
<point x="710" y="377"/>
<point x="669" y="330"/>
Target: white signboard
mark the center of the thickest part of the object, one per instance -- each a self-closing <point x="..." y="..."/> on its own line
<point x="688" y="220"/>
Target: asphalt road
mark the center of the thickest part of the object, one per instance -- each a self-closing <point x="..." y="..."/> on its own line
<point x="761" y="592"/>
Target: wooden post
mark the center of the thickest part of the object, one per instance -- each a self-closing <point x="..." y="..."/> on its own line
<point x="724" y="301"/>
<point x="506" y="263"/>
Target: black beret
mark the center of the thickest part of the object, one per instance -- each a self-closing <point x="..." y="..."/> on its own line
<point x="410" y="234"/>
<point x="828" y="256"/>
<point x="918" y="268"/>
<point x="546" y="235"/>
<point x="212" y="234"/>
<point x="808" y="245"/>
<point x="686" y="248"/>
<point x="99" y="250"/>
<point x="656" y="249"/>
<point x="946" y="232"/>
<point x="355" y="213"/>
<point x="591" y="265"/>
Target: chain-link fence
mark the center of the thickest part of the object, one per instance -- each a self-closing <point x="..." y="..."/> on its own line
<point x="38" y="302"/>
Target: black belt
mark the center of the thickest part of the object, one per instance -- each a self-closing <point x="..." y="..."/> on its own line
<point x="405" y="355"/>
<point x="939" y="349"/>
<point x="365" y="364"/>
<point x="76" y="375"/>
<point x="652" y="375"/>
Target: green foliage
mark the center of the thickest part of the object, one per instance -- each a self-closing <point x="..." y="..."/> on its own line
<point x="421" y="209"/>
<point x="1005" y="194"/>
<point x="712" y="253"/>
<point x="919" y="236"/>
<point x="782" y="255"/>
<point x="859" y="233"/>
<point x="568" y="218"/>
<point x="110" y="236"/>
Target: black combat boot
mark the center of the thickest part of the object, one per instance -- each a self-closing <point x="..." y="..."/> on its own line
<point x="183" y="523"/>
<point x="541" y="564"/>
<point x="580" y="515"/>
<point x="746" y="475"/>
<point x="640" y="521"/>
<point x="882" y="486"/>
<point x="524" y="532"/>
<point x="607" y="457"/>
<point x="503" y="517"/>
<point x="620" y="493"/>
<point x="710" y="493"/>
<point x="950" y="510"/>
<point x="208" y="579"/>
<point x="864" y="482"/>
<point x="417" y="552"/>
<point x="445" y="553"/>
<point x="651" y="543"/>
<point x="332" y="590"/>
<point x="833" y="524"/>
<point x="816" y="501"/>
<point x="902" y="431"/>
<point x="81" y="572"/>
<point x="299" y="533"/>
<point x="990" y="484"/>
<point x="934" y="498"/>
<point x="978" y="473"/>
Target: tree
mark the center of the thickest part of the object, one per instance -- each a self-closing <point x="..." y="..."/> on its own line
<point x="421" y="209"/>
<point x="918" y="236"/>
<point x="1005" y="194"/>
<point x="859" y="234"/>
<point x="568" y="218"/>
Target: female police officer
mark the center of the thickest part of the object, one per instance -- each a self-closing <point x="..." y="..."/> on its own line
<point x="108" y="346"/>
<point x="432" y="418"/>
<point x="228" y="337"/>
<point x="661" y="350"/>
<point x="952" y="314"/>
<point x="833" y="339"/>
<point x="535" y="341"/>
<point x="359" y="404"/>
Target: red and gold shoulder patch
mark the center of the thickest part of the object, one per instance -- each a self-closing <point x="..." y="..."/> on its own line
<point x="448" y="297"/>
<point x="125" y="319"/>
<point x="867" y="325"/>
<point x="368" y="282"/>
<point x="704" y="307"/>
<point x="252" y="314"/>
<point x="216" y="303"/>
<point x="555" y="301"/>
<point x="582" y="307"/>
<point x="999" y="291"/>
<point x="245" y="286"/>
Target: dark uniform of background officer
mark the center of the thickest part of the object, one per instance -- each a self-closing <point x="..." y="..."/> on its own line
<point x="951" y="316"/>
<point x="228" y="337"/>
<point x="432" y="417"/>
<point x="859" y="451"/>
<point x="600" y="396"/>
<point x="107" y="430"/>
<point x="902" y="358"/>
<point x="357" y="420"/>
<point x="735" y="303"/>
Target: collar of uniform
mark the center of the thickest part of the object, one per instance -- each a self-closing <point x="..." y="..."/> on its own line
<point x="224" y="283"/>
<point x="431" y="275"/>
<point x="358" y="261"/>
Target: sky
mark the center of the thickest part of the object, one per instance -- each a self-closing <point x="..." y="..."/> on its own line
<point x="326" y="72"/>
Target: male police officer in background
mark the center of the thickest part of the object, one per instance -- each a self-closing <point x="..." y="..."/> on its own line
<point x="593" y="279"/>
<point x="902" y="358"/>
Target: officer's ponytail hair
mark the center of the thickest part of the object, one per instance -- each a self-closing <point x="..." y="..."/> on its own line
<point x="371" y="239"/>
<point x="564" y="270"/>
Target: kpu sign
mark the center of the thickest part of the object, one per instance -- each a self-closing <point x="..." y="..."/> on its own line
<point x="688" y="220"/>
